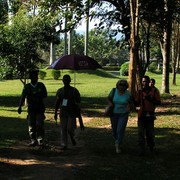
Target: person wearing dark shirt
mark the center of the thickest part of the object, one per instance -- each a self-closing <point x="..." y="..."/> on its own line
<point x="147" y="99"/>
<point x="35" y="92"/>
<point x="67" y="99"/>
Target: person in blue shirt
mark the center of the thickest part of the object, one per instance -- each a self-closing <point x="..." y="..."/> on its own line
<point x="120" y="99"/>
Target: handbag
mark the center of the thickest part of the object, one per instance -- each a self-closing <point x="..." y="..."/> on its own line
<point x="109" y="108"/>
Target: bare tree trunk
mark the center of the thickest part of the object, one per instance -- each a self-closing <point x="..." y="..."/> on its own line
<point x="87" y="30"/>
<point x="65" y="35"/>
<point x="70" y="42"/>
<point x="52" y="53"/>
<point x="175" y="50"/>
<point x="134" y="45"/>
<point x="165" y="48"/>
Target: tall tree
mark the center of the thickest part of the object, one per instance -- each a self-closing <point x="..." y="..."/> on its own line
<point x="24" y="36"/>
<point x="175" y="50"/>
<point x="165" y="42"/>
<point x="134" y="45"/>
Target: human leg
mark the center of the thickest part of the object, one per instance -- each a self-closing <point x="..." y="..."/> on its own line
<point x="121" y="126"/>
<point x="63" y="130"/>
<point x="120" y="131"/>
<point x="40" y="127"/>
<point x="114" y="120"/>
<point x="32" y="128"/>
<point x="150" y="134"/>
<point x="141" y="136"/>
<point x="71" y="129"/>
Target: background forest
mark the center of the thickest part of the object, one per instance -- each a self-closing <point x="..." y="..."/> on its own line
<point x="34" y="33"/>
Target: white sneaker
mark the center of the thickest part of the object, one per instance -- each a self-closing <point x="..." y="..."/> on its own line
<point x="118" y="149"/>
<point x="40" y="142"/>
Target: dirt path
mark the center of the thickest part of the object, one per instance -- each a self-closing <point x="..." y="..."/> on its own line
<point x="49" y="162"/>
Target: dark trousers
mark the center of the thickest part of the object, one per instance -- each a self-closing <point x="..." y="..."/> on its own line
<point x="36" y="125"/>
<point x="146" y="132"/>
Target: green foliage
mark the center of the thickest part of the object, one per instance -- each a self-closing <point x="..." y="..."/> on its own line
<point x="154" y="68"/>
<point x="55" y="74"/>
<point x="22" y="35"/>
<point x="124" y="70"/>
<point x="101" y="47"/>
<point x="3" y="11"/>
<point x="42" y="74"/>
<point x="111" y="68"/>
<point x="5" y="69"/>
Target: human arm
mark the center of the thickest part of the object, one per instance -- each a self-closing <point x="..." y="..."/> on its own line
<point x="137" y="98"/>
<point x="56" y="108"/>
<point x="81" y="122"/>
<point x="22" y="100"/>
<point x="131" y="104"/>
<point x="57" y="103"/>
<point x="154" y="97"/>
<point x="110" y="97"/>
<point x="44" y="93"/>
<point x="77" y="96"/>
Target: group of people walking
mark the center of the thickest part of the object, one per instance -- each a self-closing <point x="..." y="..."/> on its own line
<point x="68" y="99"/>
<point x="147" y="98"/>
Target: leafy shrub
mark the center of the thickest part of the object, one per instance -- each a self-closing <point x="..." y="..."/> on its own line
<point x="42" y="74"/>
<point x="124" y="70"/>
<point x="111" y="68"/>
<point x="6" y="71"/>
<point x="154" y="68"/>
<point x="56" y="74"/>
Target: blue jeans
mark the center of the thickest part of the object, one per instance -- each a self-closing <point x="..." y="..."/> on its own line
<point x="118" y="123"/>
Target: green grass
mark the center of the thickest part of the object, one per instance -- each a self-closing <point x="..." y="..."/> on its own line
<point x="101" y="163"/>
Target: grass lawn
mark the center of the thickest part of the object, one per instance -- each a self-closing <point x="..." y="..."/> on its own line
<point x="100" y="160"/>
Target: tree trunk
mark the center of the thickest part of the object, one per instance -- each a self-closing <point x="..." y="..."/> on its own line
<point x="166" y="47"/>
<point x="87" y="30"/>
<point x="70" y="42"/>
<point x="52" y="53"/>
<point x="175" y="50"/>
<point x="134" y="46"/>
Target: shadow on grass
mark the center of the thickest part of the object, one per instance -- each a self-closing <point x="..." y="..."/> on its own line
<point x="12" y="130"/>
<point x="92" y="107"/>
<point x="98" y="72"/>
<point x="89" y="105"/>
<point x="106" y="164"/>
<point x="95" y="158"/>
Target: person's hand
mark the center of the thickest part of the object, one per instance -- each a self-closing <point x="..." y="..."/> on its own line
<point x="149" y="98"/>
<point x="82" y="127"/>
<point x="19" y="110"/>
<point x="55" y="116"/>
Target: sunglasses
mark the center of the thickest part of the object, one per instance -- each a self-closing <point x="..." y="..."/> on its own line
<point x="121" y="84"/>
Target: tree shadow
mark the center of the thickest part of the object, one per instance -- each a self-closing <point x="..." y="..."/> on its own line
<point x="94" y="156"/>
<point x="90" y="105"/>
